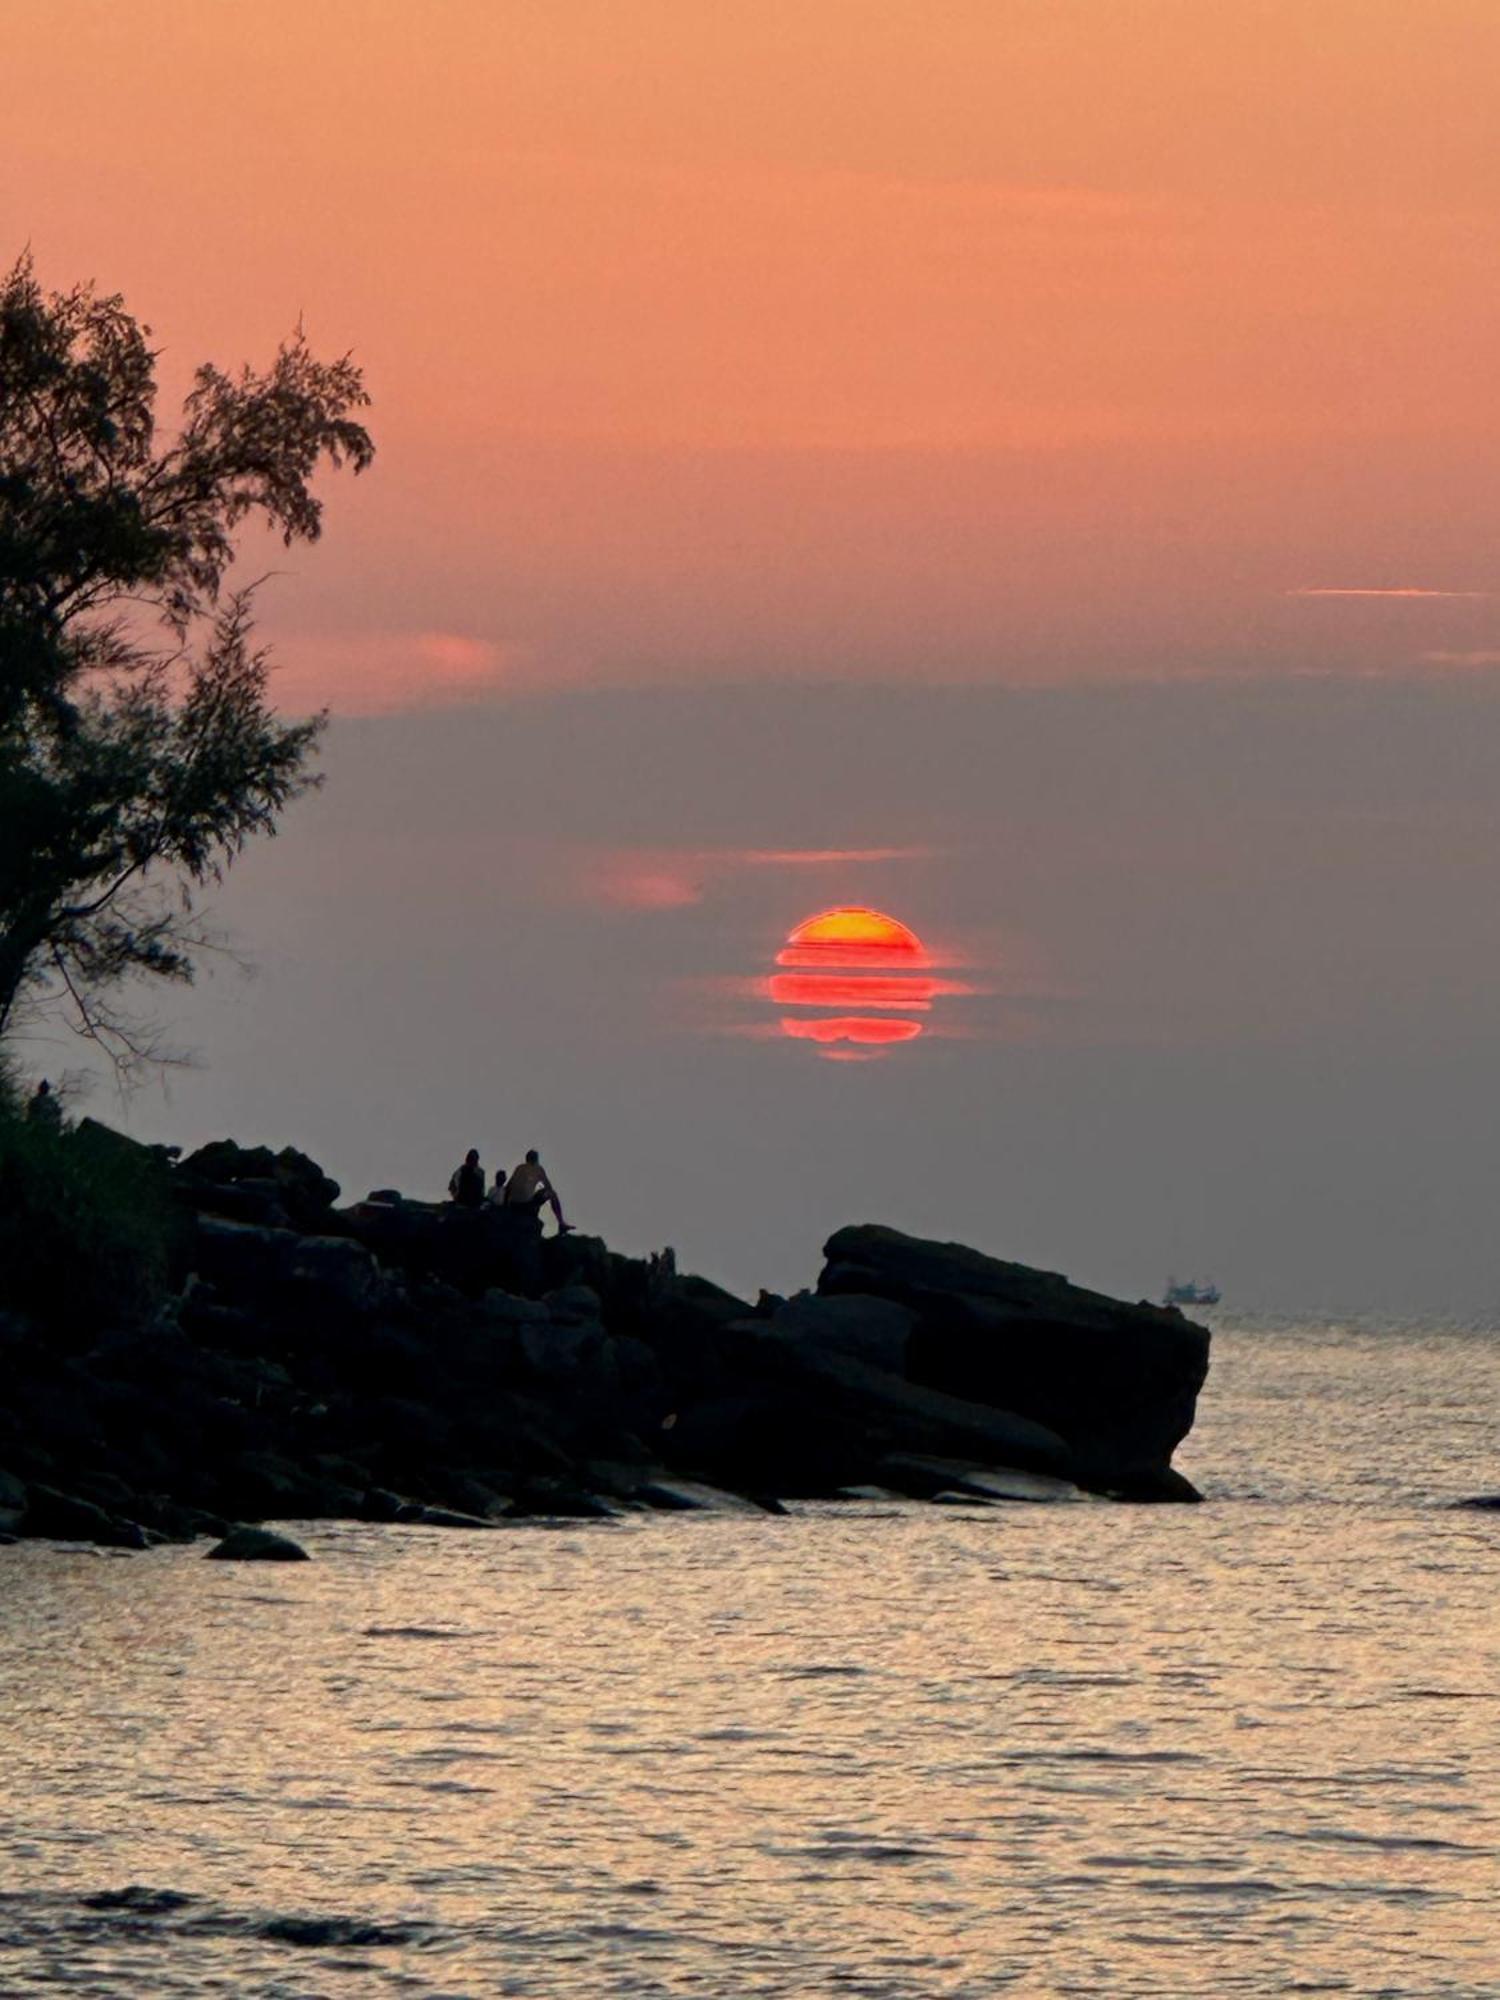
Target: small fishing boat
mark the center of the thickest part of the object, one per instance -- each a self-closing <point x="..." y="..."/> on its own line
<point x="1191" y="1293"/>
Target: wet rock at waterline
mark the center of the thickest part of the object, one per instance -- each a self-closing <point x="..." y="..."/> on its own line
<point x="257" y="1545"/>
<point x="1118" y="1382"/>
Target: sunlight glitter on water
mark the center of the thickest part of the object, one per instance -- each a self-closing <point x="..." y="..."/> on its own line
<point x="1248" y="1748"/>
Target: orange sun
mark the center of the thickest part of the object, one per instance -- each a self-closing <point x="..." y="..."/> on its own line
<point x="854" y="957"/>
<point x="852" y="936"/>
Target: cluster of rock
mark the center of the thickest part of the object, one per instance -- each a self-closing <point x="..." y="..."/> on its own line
<point x="401" y="1361"/>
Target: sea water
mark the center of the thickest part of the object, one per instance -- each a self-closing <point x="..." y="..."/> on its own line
<point x="865" y="1750"/>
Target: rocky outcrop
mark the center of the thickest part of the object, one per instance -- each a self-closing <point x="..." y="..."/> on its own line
<point x="1119" y="1383"/>
<point x="411" y="1363"/>
<point x="253" y="1184"/>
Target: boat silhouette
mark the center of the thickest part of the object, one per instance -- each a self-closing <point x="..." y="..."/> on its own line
<point x="1191" y="1293"/>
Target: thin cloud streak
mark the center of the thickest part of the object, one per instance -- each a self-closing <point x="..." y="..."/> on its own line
<point x="813" y="857"/>
<point x="1363" y="590"/>
<point x="655" y="878"/>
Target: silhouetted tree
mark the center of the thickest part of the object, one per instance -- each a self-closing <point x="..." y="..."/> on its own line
<point x="138" y="751"/>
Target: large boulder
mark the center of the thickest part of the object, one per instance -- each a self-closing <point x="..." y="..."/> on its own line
<point x="571" y="1361"/>
<point x="874" y="1331"/>
<point x="759" y="1440"/>
<point x="690" y="1327"/>
<point x="243" y="1257"/>
<point x="287" y="1179"/>
<point x="266" y="1484"/>
<point x="506" y="1309"/>
<point x="472" y="1249"/>
<point x="603" y="1384"/>
<point x="320" y="1273"/>
<point x="63" y="1517"/>
<point x="1118" y="1382"/>
<point x="575" y="1305"/>
<point x="897" y="1415"/>
<point x="330" y="1270"/>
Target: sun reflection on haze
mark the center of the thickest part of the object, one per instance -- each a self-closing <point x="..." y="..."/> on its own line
<point x="850" y="1028"/>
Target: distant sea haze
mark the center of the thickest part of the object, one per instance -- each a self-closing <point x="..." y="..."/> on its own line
<point x="1233" y="948"/>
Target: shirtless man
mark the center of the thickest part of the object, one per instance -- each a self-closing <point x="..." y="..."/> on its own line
<point x="529" y="1187"/>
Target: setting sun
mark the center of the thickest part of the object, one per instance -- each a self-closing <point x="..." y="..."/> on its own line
<point x="852" y="951"/>
<point x="852" y="935"/>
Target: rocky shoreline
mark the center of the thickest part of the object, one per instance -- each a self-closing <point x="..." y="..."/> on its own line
<point x="403" y="1361"/>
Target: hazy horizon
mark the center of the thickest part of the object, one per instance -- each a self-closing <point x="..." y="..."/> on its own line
<point x="1236" y="948"/>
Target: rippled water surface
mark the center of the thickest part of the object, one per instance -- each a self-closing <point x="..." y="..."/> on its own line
<point x="1247" y="1748"/>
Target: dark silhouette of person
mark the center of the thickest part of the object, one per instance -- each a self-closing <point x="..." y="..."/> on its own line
<point x="466" y="1184"/>
<point x="496" y="1196"/>
<point x="43" y="1108"/>
<point x="530" y="1188"/>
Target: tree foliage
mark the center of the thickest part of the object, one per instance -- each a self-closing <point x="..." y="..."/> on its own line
<point x="138" y="749"/>
<point x="89" y="1230"/>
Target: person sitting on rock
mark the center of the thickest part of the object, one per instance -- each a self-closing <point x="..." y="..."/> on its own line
<point x="496" y="1196"/>
<point x="466" y="1185"/>
<point x="43" y="1108"/>
<point x="529" y="1188"/>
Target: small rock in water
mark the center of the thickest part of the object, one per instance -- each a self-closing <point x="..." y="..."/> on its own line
<point x="352" y="1933"/>
<point x="139" y="1899"/>
<point x="257" y="1545"/>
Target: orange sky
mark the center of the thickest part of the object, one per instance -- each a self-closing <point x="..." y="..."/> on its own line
<point x="1011" y="339"/>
